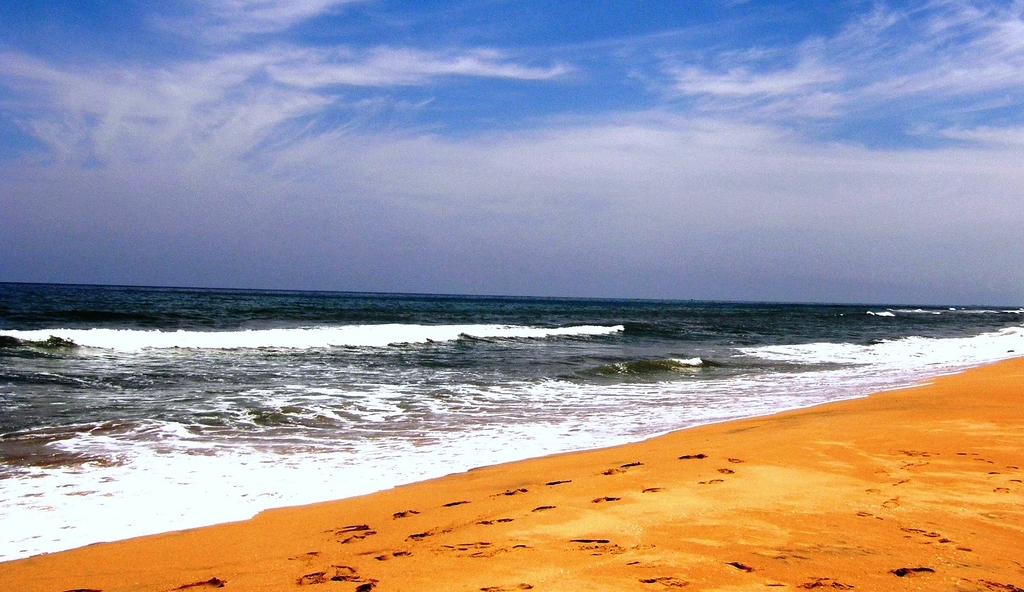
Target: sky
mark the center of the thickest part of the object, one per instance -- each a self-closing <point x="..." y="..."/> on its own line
<point x="843" y="151"/>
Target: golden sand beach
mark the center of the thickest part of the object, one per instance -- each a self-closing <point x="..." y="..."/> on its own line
<point x="917" y="489"/>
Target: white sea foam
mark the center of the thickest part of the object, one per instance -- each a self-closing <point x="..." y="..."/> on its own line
<point x="172" y="478"/>
<point x="912" y="353"/>
<point x="301" y="338"/>
<point x="154" y="491"/>
<point x="689" y="361"/>
<point x="884" y="313"/>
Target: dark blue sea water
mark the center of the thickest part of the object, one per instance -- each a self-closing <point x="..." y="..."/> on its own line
<point x="125" y="411"/>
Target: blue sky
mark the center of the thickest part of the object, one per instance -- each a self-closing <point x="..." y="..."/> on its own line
<point x="804" y="151"/>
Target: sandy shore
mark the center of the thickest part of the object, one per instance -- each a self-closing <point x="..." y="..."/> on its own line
<point x="915" y="489"/>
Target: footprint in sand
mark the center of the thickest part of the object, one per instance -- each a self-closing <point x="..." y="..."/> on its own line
<point x="404" y="514"/>
<point x="604" y="499"/>
<point x="622" y="468"/>
<point x="826" y="583"/>
<point x="352" y="528"/>
<point x="210" y="583"/>
<point x="358" y="532"/>
<point x="311" y="579"/>
<point x="740" y="566"/>
<point x="699" y="456"/>
<point x="906" y="571"/>
<point x="468" y="546"/>
<point x="990" y="585"/>
<point x="599" y="546"/>
<point x="512" y="492"/>
<point x="344" y="573"/>
<point x="726" y="471"/>
<point x="711" y="482"/>
<point x="543" y="508"/>
<point x="925" y="533"/>
<point x="549" y="483"/>
<point x="652" y="490"/>
<point x="667" y="581"/>
<point x="506" y="588"/>
<point x="735" y="460"/>
<point x="386" y="556"/>
<point x="453" y="504"/>
<point x="916" y="453"/>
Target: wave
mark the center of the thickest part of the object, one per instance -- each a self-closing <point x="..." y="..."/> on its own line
<point x="950" y="352"/>
<point x="923" y="311"/>
<point x="291" y="338"/>
<point x="51" y="342"/>
<point x="647" y="367"/>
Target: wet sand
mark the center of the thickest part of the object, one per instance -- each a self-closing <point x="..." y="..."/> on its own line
<point x="918" y="489"/>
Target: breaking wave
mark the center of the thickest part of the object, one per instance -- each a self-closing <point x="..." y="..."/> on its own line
<point x="290" y="338"/>
<point x="906" y="352"/>
<point x="650" y="367"/>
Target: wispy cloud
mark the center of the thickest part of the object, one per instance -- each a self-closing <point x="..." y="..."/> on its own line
<point x="255" y="147"/>
<point x="225" y="106"/>
<point x="960" y="49"/>
<point x="947" y="52"/>
<point x="223" y="21"/>
<point x="120" y="114"/>
<point x="999" y="137"/>
<point x="387" y="66"/>
<point x="650" y="198"/>
<point x="808" y="89"/>
<point x="740" y="82"/>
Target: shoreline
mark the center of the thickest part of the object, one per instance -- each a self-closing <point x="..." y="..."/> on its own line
<point x="912" y="487"/>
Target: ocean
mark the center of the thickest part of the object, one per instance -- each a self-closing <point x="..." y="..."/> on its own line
<point x="127" y="411"/>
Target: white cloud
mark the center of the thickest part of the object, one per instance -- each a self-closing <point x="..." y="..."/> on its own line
<point x="962" y="51"/>
<point x="988" y="136"/>
<point x="644" y="194"/>
<point x="223" y="107"/>
<point x="258" y="150"/>
<point x="740" y="82"/>
<point x="954" y="52"/>
<point x="223" y="21"/>
<point x="387" y="66"/>
<point x="121" y="114"/>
